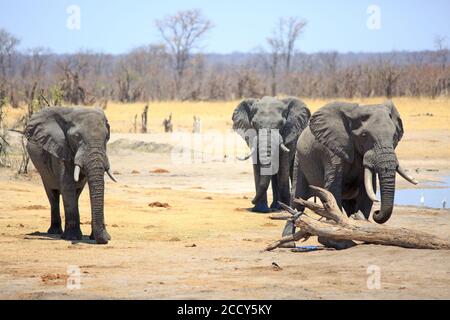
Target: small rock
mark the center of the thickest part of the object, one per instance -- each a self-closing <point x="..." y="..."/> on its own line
<point x="276" y="267"/>
<point x="159" y="170"/>
<point x="158" y="204"/>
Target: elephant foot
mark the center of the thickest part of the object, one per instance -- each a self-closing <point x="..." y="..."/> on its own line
<point x="275" y="206"/>
<point x="55" y="229"/>
<point x="103" y="237"/>
<point x="92" y="237"/>
<point x="259" y="208"/>
<point x="336" y="244"/>
<point x="73" y="233"/>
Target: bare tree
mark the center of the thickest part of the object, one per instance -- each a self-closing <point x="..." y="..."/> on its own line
<point x="274" y="58"/>
<point x="8" y="44"/>
<point x="282" y="46"/>
<point x="182" y="33"/>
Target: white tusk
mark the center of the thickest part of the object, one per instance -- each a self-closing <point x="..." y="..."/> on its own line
<point x="111" y="175"/>
<point x="368" y="175"/>
<point x="252" y="150"/>
<point x="282" y="145"/>
<point x="405" y="176"/>
<point x="76" y="173"/>
<point x="284" y="148"/>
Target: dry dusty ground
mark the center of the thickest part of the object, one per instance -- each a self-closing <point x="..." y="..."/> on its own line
<point x="206" y="245"/>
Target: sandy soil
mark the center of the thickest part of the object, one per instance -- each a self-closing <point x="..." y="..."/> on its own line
<point x="206" y="244"/>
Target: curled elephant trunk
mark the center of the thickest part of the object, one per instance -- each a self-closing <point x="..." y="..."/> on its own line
<point x="95" y="173"/>
<point x="386" y="170"/>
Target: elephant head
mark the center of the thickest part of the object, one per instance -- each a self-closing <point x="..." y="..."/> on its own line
<point x="266" y="123"/>
<point x="371" y="133"/>
<point x="77" y="136"/>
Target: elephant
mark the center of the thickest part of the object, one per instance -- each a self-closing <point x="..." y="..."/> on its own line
<point x="67" y="145"/>
<point x="271" y="127"/>
<point x="343" y="149"/>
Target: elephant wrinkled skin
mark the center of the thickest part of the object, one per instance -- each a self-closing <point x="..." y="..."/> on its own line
<point x="67" y="145"/>
<point x="271" y="128"/>
<point x="344" y="148"/>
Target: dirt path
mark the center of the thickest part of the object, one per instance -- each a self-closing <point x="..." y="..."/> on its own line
<point x="204" y="245"/>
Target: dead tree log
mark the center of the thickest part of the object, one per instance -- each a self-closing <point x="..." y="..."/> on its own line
<point x="338" y="226"/>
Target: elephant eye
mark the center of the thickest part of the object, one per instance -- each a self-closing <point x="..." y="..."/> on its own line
<point x="77" y="137"/>
<point x="364" y="134"/>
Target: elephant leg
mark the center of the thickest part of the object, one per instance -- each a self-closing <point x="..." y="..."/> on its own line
<point x="53" y="198"/>
<point x="283" y="178"/>
<point x="275" y="206"/>
<point x="72" y="230"/>
<point x="350" y="206"/>
<point x="300" y="190"/>
<point x="261" y="206"/>
<point x="333" y="183"/>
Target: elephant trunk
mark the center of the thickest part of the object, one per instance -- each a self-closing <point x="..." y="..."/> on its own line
<point x="386" y="170"/>
<point x="95" y="171"/>
<point x="265" y="166"/>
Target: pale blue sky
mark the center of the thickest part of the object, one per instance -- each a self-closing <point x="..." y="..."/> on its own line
<point x="116" y="26"/>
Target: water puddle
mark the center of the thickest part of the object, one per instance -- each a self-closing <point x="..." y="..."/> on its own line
<point x="432" y="195"/>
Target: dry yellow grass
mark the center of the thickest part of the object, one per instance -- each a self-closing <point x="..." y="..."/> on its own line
<point x="217" y="114"/>
<point x="426" y="121"/>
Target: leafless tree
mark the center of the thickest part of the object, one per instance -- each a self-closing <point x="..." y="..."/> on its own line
<point x="282" y="46"/>
<point x="182" y="33"/>
<point x="8" y="44"/>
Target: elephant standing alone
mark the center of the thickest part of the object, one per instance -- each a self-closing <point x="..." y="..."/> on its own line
<point x="68" y="148"/>
<point x="344" y="148"/>
<point x="271" y="128"/>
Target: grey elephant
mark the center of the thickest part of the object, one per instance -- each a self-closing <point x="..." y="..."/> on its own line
<point x="67" y="145"/>
<point x="271" y="128"/>
<point x="344" y="148"/>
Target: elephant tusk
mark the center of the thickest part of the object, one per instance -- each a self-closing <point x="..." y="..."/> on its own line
<point x="76" y="173"/>
<point x="282" y="145"/>
<point x="368" y="177"/>
<point x="405" y="176"/>
<point x="252" y="150"/>
<point x="111" y="175"/>
<point x="284" y="148"/>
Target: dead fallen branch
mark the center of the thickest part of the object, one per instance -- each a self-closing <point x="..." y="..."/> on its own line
<point x="340" y="227"/>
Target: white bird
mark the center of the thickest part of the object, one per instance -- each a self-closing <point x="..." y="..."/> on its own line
<point x="422" y="200"/>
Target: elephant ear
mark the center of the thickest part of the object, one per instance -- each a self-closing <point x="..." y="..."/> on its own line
<point x="297" y="117"/>
<point x="331" y="127"/>
<point x="47" y="130"/>
<point x="397" y="120"/>
<point x="242" y="117"/>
